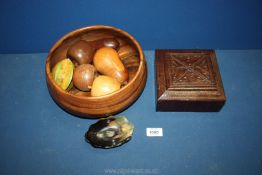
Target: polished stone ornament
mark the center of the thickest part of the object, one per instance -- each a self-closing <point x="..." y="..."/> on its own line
<point x="109" y="132"/>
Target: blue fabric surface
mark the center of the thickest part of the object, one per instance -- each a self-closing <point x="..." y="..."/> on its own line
<point x="29" y="26"/>
<point x="38" y="137"/>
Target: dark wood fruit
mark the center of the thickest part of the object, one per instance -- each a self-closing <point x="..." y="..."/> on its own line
<point x="84" y="76"/>
<point x="82" y="52"/>
<point x="107" y="42"/>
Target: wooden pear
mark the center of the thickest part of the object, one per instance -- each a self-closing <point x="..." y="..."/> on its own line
<point x="107" y="62"/>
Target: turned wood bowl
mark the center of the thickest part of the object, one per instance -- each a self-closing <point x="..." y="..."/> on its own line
<point x="82" y="103"/>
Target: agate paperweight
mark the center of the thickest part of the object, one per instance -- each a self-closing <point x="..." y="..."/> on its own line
<point x="188" y="80"/>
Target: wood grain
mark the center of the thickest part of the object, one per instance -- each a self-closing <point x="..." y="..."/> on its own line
<point x="188" y="80"/>
<point x="82" y="104"/>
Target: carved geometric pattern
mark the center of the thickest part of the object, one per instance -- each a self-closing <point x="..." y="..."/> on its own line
<point x="188" y="80"/>
<point x="189" y="70"/>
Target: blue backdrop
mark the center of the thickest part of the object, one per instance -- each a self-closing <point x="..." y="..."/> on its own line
<point x="38" y="137"/>
<point x="34" y="26"/>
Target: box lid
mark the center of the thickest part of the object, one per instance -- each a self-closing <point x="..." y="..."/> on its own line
<point x="188" y="80"/>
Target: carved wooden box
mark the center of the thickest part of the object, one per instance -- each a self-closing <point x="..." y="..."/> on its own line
<point x="188" y="80"/>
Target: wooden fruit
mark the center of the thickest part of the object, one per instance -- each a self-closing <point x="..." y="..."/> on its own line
<point x="84" y="76"/>
<point x="62" y="73"/>
<point x="82" y="52"/>
<point x="107" y="62"/>
<point x="104" y="85"/>
<point x="107" y="42"/>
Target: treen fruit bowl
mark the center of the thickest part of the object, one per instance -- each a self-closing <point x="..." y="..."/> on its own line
<point x="82" y="103"/>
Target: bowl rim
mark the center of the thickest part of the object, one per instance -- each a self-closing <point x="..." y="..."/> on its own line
<point x="90" y="28"/>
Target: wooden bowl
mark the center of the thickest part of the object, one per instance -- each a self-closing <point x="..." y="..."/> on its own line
<point x="82" y="103"/>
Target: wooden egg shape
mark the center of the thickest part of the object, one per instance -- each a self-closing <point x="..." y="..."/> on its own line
<point x="82" y="52"/>
<point x="107" y="42"/>
<point x="104" y="85"/>
<point x="107" y="62"/>
<point x="84" y="76"/>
